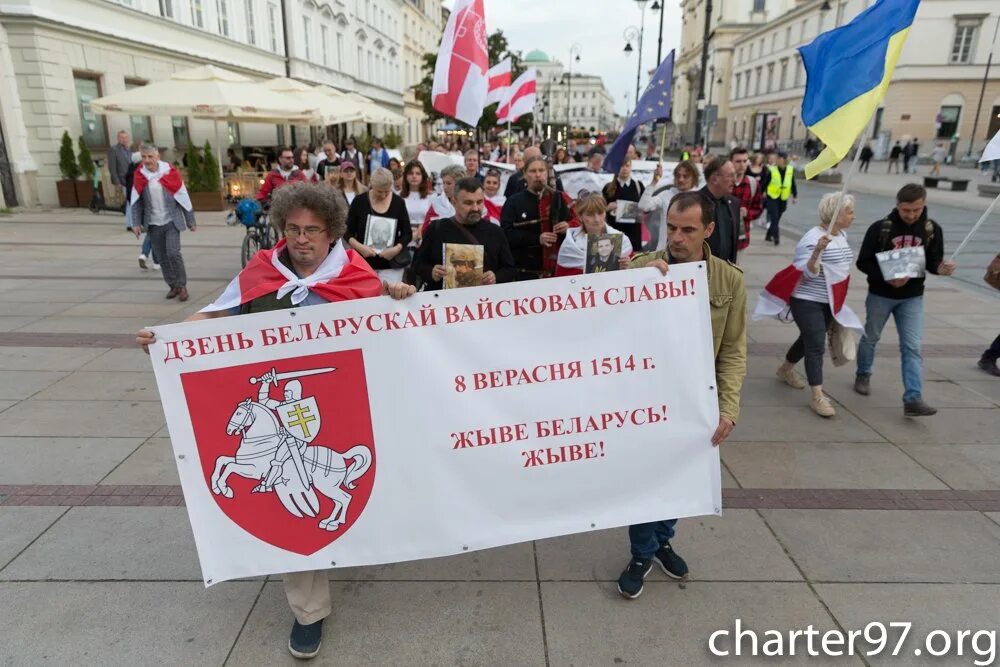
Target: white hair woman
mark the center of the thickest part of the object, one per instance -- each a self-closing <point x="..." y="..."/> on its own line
<point x="378" y="227"/>
<point x="821" y="254"/>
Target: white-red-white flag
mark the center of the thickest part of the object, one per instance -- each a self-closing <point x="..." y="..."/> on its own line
<point x="520" y="99"/>
<point x="777" y="293"/>
<point x="499" y="81"/>
<point x="992" y="150"/>
<point x="460" y="82"/>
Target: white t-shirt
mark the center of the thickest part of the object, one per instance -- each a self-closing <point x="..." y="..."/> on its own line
<point x="157" y="204"/>
<point x="416" y="207"/>
<point x="813" y="287"/>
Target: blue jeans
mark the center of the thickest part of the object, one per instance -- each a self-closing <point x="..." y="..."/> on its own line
<point x="909" y="316"/>
<point x="647" y="538"/>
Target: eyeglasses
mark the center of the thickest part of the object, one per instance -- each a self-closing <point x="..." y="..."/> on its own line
<point x="309" y="232"/>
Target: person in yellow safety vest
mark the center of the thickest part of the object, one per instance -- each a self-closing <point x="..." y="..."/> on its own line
<point x="778" y="183"/>
<point x="686" y="153"/>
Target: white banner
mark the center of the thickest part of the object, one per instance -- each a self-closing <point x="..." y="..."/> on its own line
<point x="375" y="431"/>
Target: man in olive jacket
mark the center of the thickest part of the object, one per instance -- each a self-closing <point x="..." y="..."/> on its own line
<point x="689" y="224"/>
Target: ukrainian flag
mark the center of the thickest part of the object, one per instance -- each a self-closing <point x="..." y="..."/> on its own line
<point x="847" y="73"/>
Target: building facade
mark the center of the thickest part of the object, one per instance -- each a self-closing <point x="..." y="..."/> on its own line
<point x="564" y="96"/>
<point x="57" y="55"/>
<point x="423" y="23"/>
<point x="934" y="95"/>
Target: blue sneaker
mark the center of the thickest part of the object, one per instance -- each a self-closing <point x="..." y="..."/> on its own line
<point x="672" y="564"/>
<point x="631" y="580"/>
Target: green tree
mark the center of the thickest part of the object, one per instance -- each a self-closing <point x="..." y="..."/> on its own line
<point x="85" y="159"/>
<point x="498" y="49"/>
<point x="195" y="179"/>
<point x="210" y="179"/>
<point x="68" y="165"/>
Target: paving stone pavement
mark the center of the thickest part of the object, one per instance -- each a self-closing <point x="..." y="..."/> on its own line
<point x="836" y="523"/>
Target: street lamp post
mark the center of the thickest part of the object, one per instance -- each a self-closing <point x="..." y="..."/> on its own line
<point x="701" y="76"/>
<point x="574" y="52"/>
<point x="633" y="33"/>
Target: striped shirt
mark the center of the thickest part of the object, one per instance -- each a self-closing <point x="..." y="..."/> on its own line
<point x="812" y="287"/>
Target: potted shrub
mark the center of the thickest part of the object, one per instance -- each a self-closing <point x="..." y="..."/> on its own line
<point x="204" y="181"/>
<point x="70" y="169"/>
<point x="85" y="187"/>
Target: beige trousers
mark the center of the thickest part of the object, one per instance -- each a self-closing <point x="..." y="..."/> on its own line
<point x="308" y="595"/>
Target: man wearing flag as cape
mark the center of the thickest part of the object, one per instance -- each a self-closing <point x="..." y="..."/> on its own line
<point x="309" y="266"/>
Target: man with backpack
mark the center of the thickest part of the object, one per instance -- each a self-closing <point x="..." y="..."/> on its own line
<point x="750" y="195"/>
<point x="907" y="226"/>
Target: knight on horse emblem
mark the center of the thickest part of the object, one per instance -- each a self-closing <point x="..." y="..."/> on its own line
<point x="276" y="448"/>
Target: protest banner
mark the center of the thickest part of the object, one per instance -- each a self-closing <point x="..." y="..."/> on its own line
<point x="376" y="431"/>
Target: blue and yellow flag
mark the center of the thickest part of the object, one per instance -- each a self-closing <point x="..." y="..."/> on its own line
<point x="848" y="70"/>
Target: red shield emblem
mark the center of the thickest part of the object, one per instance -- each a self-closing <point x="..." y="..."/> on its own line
<point x="286" y="447"/>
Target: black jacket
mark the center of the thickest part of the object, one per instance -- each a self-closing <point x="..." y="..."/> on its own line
<point x="900" y="235"/>
<point x="726" y="215"/>
<point x="496" y="251"/>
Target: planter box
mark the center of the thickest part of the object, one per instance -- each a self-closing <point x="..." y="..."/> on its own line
<point x="66" y="191"/>
<point x="84" y="193"/>
<point x="990" y="190"/>
<point x="953" y="184"/>
<point x="207" y="201"/>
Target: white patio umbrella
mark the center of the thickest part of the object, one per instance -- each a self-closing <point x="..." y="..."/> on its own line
<point x="369" y="110"/>
<point x="331" y="109"/>
<point x="209" y="92"/>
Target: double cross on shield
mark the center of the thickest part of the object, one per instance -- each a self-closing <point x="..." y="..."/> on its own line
<point x="301" y="418"/>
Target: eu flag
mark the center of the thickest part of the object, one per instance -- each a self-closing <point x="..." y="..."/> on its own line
<point x="848" y="70"/>
<point x="653" y="105"/>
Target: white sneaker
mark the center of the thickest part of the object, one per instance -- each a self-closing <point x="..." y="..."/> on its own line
<point x="156" y="267"/>
<point x="142" y="262"/>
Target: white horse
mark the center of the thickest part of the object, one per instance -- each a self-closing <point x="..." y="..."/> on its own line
<point x="262" y="435"/>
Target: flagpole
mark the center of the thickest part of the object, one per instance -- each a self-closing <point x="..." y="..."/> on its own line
<point x="508" y="141"/>
<point x="865" y="136"/>
<point x="974" y="229"/>
<point x="663" y="140"/>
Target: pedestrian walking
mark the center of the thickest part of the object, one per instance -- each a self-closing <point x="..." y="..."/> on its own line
<point x="162" y="207"/>
<point x="907" y="226"/>
<point x="866" y="157"/>
<point x="938" y="156"/>
<point x="907" y="156"/>
<point x="914" y="155"/>
<point x="119" y="166"/>
<point x="894" y="154"/>
<point x="822" y="259"/>
<point x="779" y="186"/>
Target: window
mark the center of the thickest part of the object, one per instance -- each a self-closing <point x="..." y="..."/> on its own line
<point x="758" y="5"/>
<point x="371" y="67"/>
<point x="95" y="129"/>
<point x="804" y="30"/>
<point x="233" y="130"/>
<point x="360" y="61"/>
<point x="770" y="77"/>
<point x="306" y="37"/>
<point x="800" y="71"/>
<point x="736" y="88"/>
<point x="141" y="127"/>
<point x="746" y="84"/>
<point x="272" y="26"/>
<point x="774" y="42"/>
<point x="788" y="36"/>
<point x="179" y="124"/>
<point x="222" y="9"/>
<point x="251" y="27"/>
<point x="961" y="48"/>
<point x="757" y="81"/>
<point x="783" y="81"/>
<point x="340" y="51"/>
<point x="167" y="9"/>
<point x="197" y="14"/>
<point x="947" y="121"/>
<point x="324" y="44"/>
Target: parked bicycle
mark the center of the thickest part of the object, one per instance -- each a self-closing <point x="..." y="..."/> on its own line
<point x="260" y="235"/>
